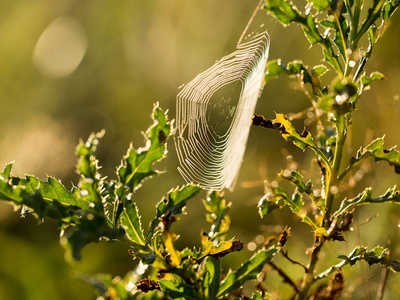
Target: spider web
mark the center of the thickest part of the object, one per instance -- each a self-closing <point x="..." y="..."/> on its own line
<point x="214" y="113"/>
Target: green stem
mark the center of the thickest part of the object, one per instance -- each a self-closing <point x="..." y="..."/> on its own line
<point x="354" y="24"/>
<point x="332" y="179"/>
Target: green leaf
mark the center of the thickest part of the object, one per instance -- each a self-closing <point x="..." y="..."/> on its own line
<point x="12" y="193"/>
<point x="248" y="271"/>
<point x="297" y="179"/>
<point x="130" y="221"/>
<point x="283" y="10"/>
<point x="87" y="163"/>
<point x="379" y="153"/>
<point x="295" y="67"/>
<point x="332" y="59"/>
<point x="174" y="203"/>
<point x="220" y="250"/>
<point x="274" y="69"/>
<point x="373" y="14"/>
<point x="326" y="103"/>
<point x="327" y="24"/>
<point x="392" y="195"/>
<point x="340" y="43"/>
<point x="367" y="80"/>
<point x="54" y="190"/>
<point x="7" y="170"/>
<point x="320" y="5"/>
<point x="266" y="206"/>
<point x="389" y="8"/>
<point x="20" y="193"/>
<point x="178" y="290"/>
<point x="311" y="31"/>
<point x="217" y="213"/>
<point x="90" y="183"/>
<point x="301" y="140"/>
<point x="271" y="201"/>
<point x="320" y="70"/>
<point x="91" y="228"/>
<point x="378" y="255"/>
<point x="372" y="37"/>
<point x="257" y="296"/>
<point x="137" y="164"/>
<point x="211" y="277"/>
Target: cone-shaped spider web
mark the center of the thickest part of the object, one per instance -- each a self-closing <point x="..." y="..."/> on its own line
<point x="214" y="113"/>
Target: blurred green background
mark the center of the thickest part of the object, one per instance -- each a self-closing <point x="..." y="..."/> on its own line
<point x="69" y="68"/>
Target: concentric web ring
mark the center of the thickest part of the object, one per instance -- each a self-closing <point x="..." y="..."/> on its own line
<point x="214" y="115"/>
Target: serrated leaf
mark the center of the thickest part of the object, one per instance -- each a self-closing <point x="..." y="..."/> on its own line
<point x="326" y="103"/>
<point x="30" y="197"/>
<point x="168" y="239"/>
<point x="31" y="183"/>
<point x="130" y="221"/>
<point x="301" y="140"/>
<point x="378" y="255"/>
<point x="7" y="170"/>
<point x="389" y="8"/>
<point x="320" y="70"/>
<point x="392" y="195"/>
<point x="266" y="206"/>
<point x="91" y="228"/>
<point x="295" y="67"/>
<point x="311" y="31"/>
<point x="373" y="14"/>
<point x="87" y="163"/>
<point x="258" y="296"/>
<point x="320" y="5"/>
<point x="249" y="270"/>
<point x="372" y="36"/>
<point x="340" y="43"/>
<point x="283" y="10"/>
<point x="217" y="213"/>
<point x="137" y="164"/>
<point x="330" y="58"/>
<point x="178" y="290"/>
<point x="327" y="24"/>
<point x="174" y="203"/>
<point x="270" y="202"/>
<point x="297" y="179"/>
<point x="211" y="277"/>
<point x="220" y="250"/>
<point x="379" y="153"/>
<point x="274" y="69"/>
<point x="54" y="190"/>
<point x="367" y="80"/>
<point x="11" y="193"/>
<point x="89" y="185"/>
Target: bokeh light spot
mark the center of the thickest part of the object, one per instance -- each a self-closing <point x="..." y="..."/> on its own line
<point x="61" y="48"/>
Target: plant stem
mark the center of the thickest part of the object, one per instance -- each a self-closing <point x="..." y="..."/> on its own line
<point x="308" y="278"/>
<point x="332" y="180"/>
<point x="284" y="276"/>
